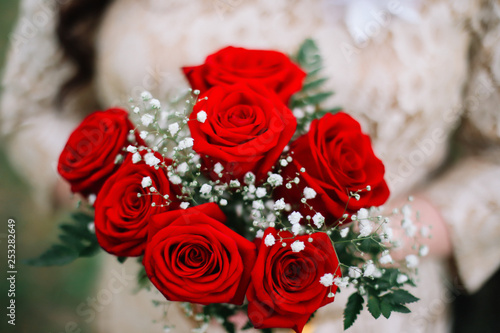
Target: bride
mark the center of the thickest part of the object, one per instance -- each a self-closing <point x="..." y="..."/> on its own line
<point x="421" y="76"/>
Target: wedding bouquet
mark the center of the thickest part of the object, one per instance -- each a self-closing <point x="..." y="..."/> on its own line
<point x="243" y="195"/>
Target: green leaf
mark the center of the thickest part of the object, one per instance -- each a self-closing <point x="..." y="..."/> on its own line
<point x="401" y="296"/>
<point x="56" y="255"/>
<point x="71" y="230"/>
<point x="308" y="56"/>
<point x="386" y="307"/>
<point x="314" y="84"/>
<point x="229" y="326"/>
<point x="70" y="241"/>
<point x="400" y="308"/>
<point x="332" y="110"/>
<point x="143" y="281"/>
<point x="316" y="98"/>
<point x="374" y="306"/>
<point x="247" y="326"/>
<point x="352" y="309"/>
<point x="90" y="250"/>
<point x="121" y="260"/>
<point x="314" y="72"/>
<point x="77" y="241"/>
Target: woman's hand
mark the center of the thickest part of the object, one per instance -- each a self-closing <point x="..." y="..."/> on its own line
<point x="438" y="242"/>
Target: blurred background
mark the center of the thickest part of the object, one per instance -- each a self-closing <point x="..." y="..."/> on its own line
<point x="46" y="298"/>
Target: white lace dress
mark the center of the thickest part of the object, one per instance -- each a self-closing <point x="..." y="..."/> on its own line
<point x="412" y="75"/>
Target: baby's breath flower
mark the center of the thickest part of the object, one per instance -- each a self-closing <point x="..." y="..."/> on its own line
<point x="409" y="227"/>
<point x="271" y="217"/>
<point x="279" y="204"/>
<point x="318" y="220"/>
<point x="411" y="261"/>
<point x="402" y="278"/>
<point x="146" y="96"/>
<point x="296" y="229"/>
<point x="201" y="116"/>
<point x="423" y="251"/>
<point x="275" y="180"/>
<point x="173" y="129"/>
<point x="269" y="240"/>
<point x="354" y="272"/>
<point x="362" y="214"/>
<point x="143" y="134"/>
<point x="406" y="211"/>
<point x="234" y="183"/>
<point x="155" y="104"/>
<point x="259" y="234"/>
<point x="344" y="232"/>
<point x="309" y="193"/>
<point x="297" y="246"/>
<point x="249" y="178"/>
<point x="309" y="108"/>
<point x="147" y="119"/>
<point x="136" y="157"/>
<point x="151" y="159"/>
<point x="369" y="269"/>
<point x="341" y="282"/>
<point x="258" y="204"/>
<point x="326" y="280"/>
<point x="386" y="258"/>
<point x="182" y="168"/>
<point x="118" y="159"/>
<point x="365" y="228"/>
<point x="132" y="149"/>
<point x="146" y="182"/>
<point x="186" y="143"/>
<point x="184" y="205"/>
<point x="298" y="113"/>
<point x="92" y="198"/>
<point x="386" y="234"/>
<point x="206" y="189"/>
<point x="294" y="217"/>
<point x="175" y="179"/>
<point x="425" y="231"/>
<point x="218" y="168"/>
<point x="260" y="192"/>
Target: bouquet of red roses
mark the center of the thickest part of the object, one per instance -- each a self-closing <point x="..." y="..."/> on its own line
<point x="245" y="194"/>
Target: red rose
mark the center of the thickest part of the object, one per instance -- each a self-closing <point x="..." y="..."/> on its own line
<point x="246" y="129"/>
<point x="123" y="206"/>
<point x="233" y="65"/>
<point x="338" y="158"/>
<point x="192" y="256"/>
<point x="88" y="158"/>
<point x="285" y="289"/>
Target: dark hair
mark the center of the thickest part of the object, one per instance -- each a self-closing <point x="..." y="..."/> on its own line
<point x="77" y="24"/>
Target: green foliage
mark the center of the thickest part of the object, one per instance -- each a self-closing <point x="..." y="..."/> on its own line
<point x="121" y="260"/>
<point x="76" y="241"/>
<point x="312" y="95"/>
<point x="380" y="301"/>
<point x="374" y="306"/>
<point x="383" y="294"/>
<point x="352" y="309"/>
<point x="223" y="311"/>
<point x="247" y="326"/>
